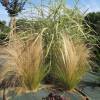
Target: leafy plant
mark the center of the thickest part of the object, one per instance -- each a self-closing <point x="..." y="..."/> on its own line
<point x="72" y="62"/>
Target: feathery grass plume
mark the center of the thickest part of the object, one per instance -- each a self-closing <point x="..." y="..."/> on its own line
<point x="58" y="18"/>
<point x="72" y="61"/>
<point x="27" y="57"/>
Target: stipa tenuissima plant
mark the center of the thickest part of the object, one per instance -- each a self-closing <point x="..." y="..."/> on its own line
<point x="72" y="62"/>
<point x="27" y="57"/>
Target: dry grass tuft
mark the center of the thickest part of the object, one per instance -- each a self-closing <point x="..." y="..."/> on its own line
<point x="27" y="59"/>
<point x="72" y="62"/>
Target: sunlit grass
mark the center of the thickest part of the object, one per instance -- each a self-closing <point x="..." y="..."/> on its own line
<point x="72" y="62"/>
<point x="27" y="59"/>
<point x="70" y="59"/>
<point x="57" y="18"/>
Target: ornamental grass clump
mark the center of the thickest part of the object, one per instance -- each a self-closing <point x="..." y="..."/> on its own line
<point x="27" y="59"/>
<point x="72" y="62"/>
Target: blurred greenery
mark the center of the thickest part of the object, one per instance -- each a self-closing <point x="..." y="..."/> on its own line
<point x="93" y="20"/>
<point x="3" y="27"/>
<point x="4" y="31"/>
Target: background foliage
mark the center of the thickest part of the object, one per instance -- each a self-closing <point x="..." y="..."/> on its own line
<point x="93" y="20"/>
